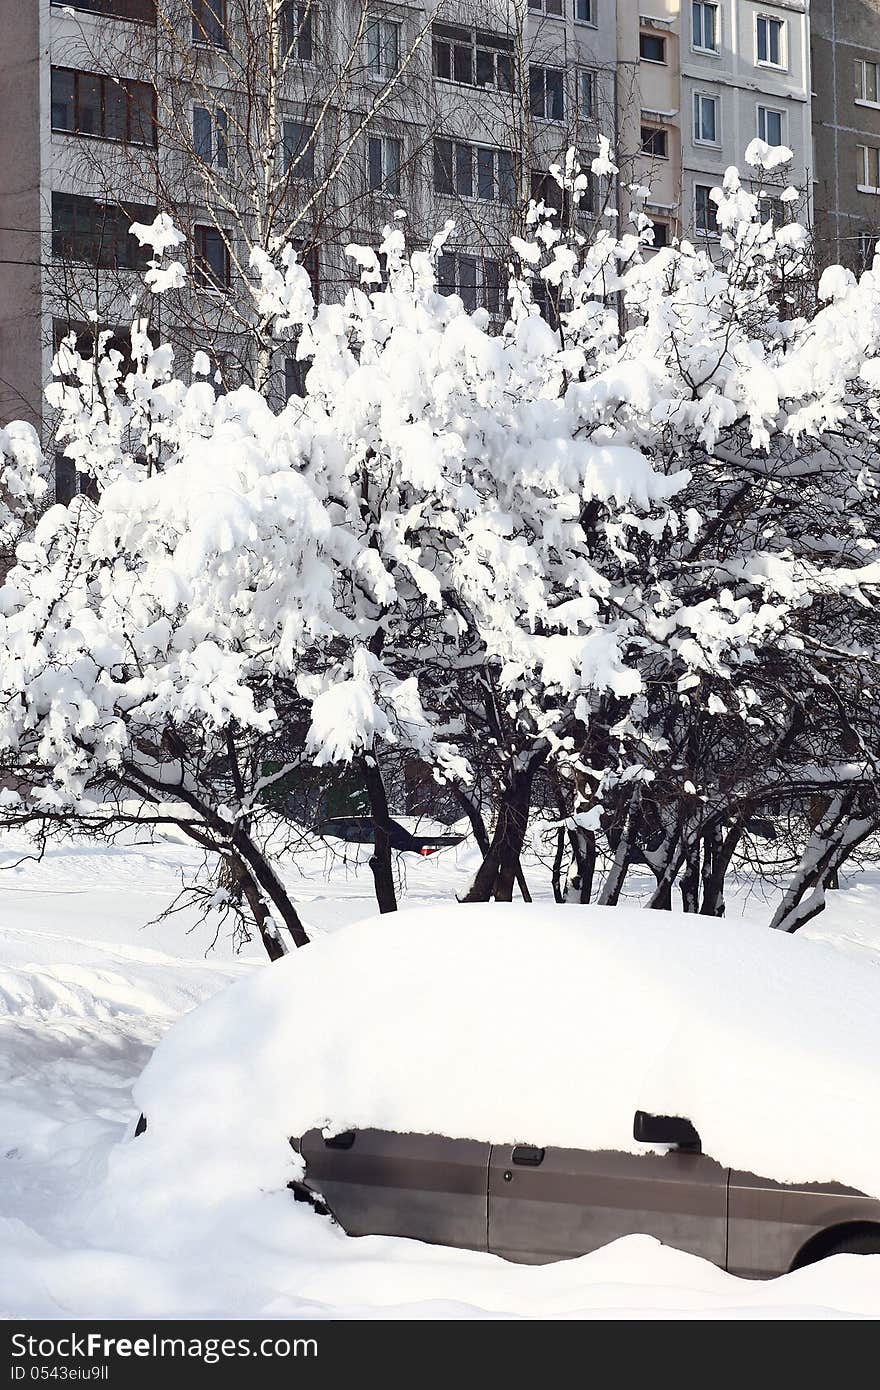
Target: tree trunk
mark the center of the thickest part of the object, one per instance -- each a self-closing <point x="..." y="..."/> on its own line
<point x="690" y="880"/>
<point x="244" y="884"/>
<point x="380" y="861"/>
<point x="718" y="850"/>
<point x="556" y="876"/>
<point x="583" y="848"/>
<point x="611" y="889"/>
<point x="499" y="869"/>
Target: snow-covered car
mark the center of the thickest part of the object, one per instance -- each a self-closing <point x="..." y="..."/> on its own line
<point x="537" y="1081"/>
<point x="536" y="1205"/>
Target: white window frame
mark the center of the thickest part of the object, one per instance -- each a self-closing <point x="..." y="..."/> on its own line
<point x="699" y="47"/>
<point x="293" y="55"/>
<point x="770" y="111"/>
<point x="384" y="141"/>
<point x="540" y="8"/>
<point x="587" y="112"/>
<point x="862" y="64"/>
<point x="382" y="74"/>
<point x="699" y="98"/>
<point x="592" y="22"/>
<point x="864" y="184"/>
<point x="782" y="65"/>
<point x="704" y="231"/>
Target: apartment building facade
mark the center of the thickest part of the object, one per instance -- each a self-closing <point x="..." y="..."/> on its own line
<point x="846" y="129"/>
<point x="113" y="109"/>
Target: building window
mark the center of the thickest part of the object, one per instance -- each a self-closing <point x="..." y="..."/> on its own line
<point x="144" y="11"/>
<point x="297" y="39"/>
<point x="655" y="141"/>
<point x="705" y="119"/>
<point x="583" y="11"/>
<point x="771" y="210"/>
<point x="299" y="149"/>
<point x="770" y="125"/>
<point x="652" y="48"/>
<point x="86" y="103"/>
<point x="383" y="164"/>
<point x="383" y="48"/>
<point x="661" y="235"/>
<point x="705" y="218"/>
<point x="546" y="190"/>
<point x="210" y="130"/>
<point x="586" y="93"/>
<point x="474" y="171"/>
<point x="294" y="377"/>
<point x="472" y="57"/>
<point x="209" y="22"/>
<point x="704" y="26"/>
<point x="546" y="93"/>
<point x="770" y="41"/>
<point x="211" y="266"/>
<point x="97" y="234"/>
<point x="867" y="84"/>
<point x="868" y="168"/>
<point x="869" y="242"/>
<point x="549" y="7"/>
<point x="477" y="282"/>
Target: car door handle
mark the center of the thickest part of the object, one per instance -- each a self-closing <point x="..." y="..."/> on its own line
<point x="528" y="1155"/>
<point x="345" y="1140"/>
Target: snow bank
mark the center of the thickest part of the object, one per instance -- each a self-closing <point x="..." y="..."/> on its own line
<point x="514" y="1023"/>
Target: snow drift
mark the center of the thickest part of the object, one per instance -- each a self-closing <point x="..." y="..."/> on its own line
<point x="532" y="1024"/>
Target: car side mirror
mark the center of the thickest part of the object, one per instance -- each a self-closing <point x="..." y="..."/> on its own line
<point x="666" y="1129"/>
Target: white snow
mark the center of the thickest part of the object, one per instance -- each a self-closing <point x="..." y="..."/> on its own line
<point x="87" y="988"/>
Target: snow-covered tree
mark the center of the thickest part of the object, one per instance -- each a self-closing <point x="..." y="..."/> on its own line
<point x="627" y="555"/>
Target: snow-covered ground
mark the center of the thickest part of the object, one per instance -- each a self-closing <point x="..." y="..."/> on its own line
<point x="87" y="988"/>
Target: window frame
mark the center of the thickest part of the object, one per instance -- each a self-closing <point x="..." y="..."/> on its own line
<point x="200" y="277"/>
<point x="544" y="69"/>
<point x="659" y="38"/>
<point x="591" y="75"/>
<point x="200" y="37"/>
<point x="773" y="111"/>
<point x="382" y="75"/>
<point x="381" y="189"/>
<point x="123" y="85"/>
<point x="704" y="5"/>
<point x="454" y="169"/>
<point x="862" y="65"/>
<point x="698" y="99"/>
<point x="216" y="126"/>
<point x="864" y="159"/>
<point x="452" y="37"/>
<point x="653" y="130"/>
<point x="112" y="237"/>
<point x="291" y="53"/>
<point x="592" y="22"/>
<point x="782" y="65"/>
<point x="483" y="287"/>
<point x="539" y="7"/>
<point x="105" y="8"/>
<point x="289" y="155"/>
<point x="710" y="232"/>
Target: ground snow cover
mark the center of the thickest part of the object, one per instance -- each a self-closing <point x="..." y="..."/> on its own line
<point x="87" y="989"/>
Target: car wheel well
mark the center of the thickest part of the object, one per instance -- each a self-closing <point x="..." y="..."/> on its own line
<point x="818" y="1246"/>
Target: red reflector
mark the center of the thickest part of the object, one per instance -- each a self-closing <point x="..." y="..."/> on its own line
<point x="428" y="849"/>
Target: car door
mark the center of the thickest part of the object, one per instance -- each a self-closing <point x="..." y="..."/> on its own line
<point x="424" y="1186"/>
<point x="551" y="1204"/>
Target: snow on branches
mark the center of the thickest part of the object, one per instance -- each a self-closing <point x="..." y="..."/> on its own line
<point x="613" y="551"/>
